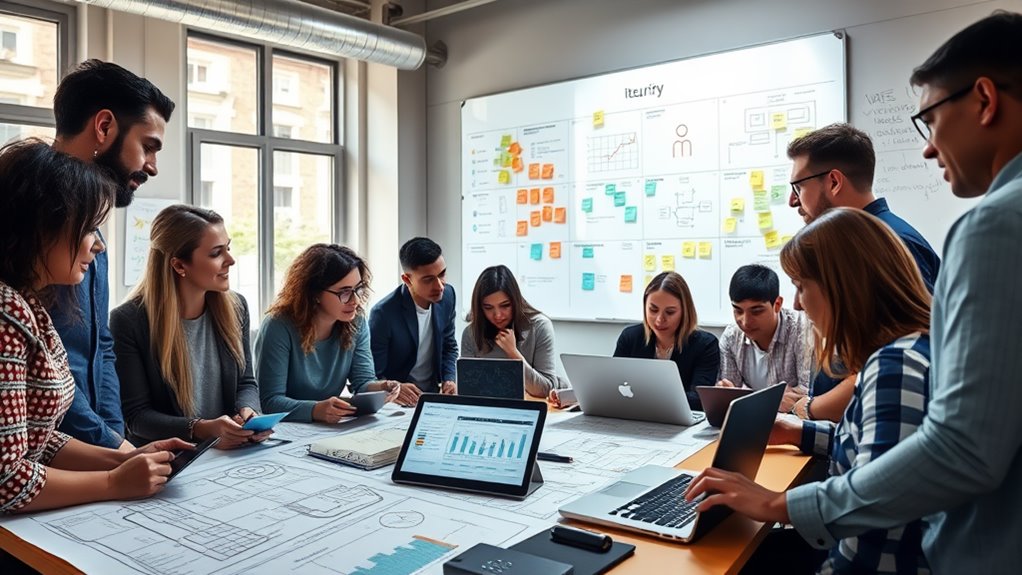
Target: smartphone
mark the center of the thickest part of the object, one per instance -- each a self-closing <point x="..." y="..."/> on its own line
<point x="261" y="423"/>
<point x="368" y="402"/>
<point x="184" y="457"/>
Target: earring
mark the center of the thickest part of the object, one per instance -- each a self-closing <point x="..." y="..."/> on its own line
<point x="95" y="153"/>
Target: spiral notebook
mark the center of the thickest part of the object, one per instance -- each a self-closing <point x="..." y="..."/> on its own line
<point x="367" y="449"/>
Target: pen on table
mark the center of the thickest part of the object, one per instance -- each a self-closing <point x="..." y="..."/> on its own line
<point x="544" y="456"/>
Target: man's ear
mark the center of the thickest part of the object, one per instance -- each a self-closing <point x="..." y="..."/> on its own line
<point x="778" y="303"/>
<point x="104" y="125"/>
<point x="406" y="279"/>
<point x="989" y="99"/>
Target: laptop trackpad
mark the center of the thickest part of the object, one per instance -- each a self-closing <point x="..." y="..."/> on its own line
<point x="623" y="489"/>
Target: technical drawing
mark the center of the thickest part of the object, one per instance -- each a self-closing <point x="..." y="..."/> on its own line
<point x="685" y="209"/>
<point x="612" y="153"/>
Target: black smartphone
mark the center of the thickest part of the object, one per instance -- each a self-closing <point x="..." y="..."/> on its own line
<point x="184" y="457"/>
<point x="368" y="402"/>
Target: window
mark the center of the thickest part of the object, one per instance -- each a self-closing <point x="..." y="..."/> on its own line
<point x="8" y="45"/>
<point x="277" y="190"/>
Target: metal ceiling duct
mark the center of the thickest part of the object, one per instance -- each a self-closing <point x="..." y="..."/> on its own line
<point x="287" y="23"/>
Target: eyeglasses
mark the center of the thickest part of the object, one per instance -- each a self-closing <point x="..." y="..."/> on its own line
<point x="796" y="186"/>
<point x="345" y="294"/>
<point x="923" y="126"/>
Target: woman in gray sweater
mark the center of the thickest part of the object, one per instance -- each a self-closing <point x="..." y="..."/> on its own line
<point x="503" y="325"/>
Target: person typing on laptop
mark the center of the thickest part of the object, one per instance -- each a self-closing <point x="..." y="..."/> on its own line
<point x="880" y="331"/>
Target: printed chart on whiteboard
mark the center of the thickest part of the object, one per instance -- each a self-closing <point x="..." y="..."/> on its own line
<point x="587" y="189"/>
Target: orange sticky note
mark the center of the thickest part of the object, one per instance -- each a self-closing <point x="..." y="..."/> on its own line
<point x="560" y="215"/>
<point x="555" y="250"/>
<point x="548" y="171"/>
<point x="548" y="213"/>
<point x="523" y="228"/>
<point x="533" y="171"/>
<point x="534" y="196"/>
<point x="535" y="219"/>
<point x="548" y="195"/>
<point x="515" y="149"/>
<point x="626" y="284"/>
<point x="523" y="196"/>
<point x="517" y="164"/>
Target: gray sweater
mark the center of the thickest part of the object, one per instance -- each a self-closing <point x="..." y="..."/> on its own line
<point x="536" y="346"/>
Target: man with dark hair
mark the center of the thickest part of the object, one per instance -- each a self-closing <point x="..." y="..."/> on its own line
<point x="107" y="115"/>
<point x="767" y="344"/>
<point x="412" y="328"/>
<point x="833" y="166"/>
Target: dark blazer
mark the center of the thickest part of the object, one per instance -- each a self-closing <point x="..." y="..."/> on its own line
<point x="394" y="336"/>
<point x="151" y="411"/>
<point x="698" y="362"/>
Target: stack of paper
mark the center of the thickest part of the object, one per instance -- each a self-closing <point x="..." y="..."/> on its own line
<point x="369" y="449"/>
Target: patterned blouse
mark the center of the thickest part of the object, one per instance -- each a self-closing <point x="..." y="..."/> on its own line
<point x="36" y="389"/>
<point x="888" y="405"/>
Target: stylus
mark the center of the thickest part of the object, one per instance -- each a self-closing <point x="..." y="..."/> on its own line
<point x="583" y="539"/>
<point x="544" y="456"/>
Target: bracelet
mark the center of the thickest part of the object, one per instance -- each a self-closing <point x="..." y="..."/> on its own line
<point x="809" y="403"/>
<point x="191" y="427"/>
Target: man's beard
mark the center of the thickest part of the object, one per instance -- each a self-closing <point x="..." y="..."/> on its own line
<point x="111" y="159"/>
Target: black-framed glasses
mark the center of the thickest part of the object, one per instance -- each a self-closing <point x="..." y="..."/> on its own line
<point x="345" y="294"/>
<point x="796" y="185"/>
<point x="923" y="126"/>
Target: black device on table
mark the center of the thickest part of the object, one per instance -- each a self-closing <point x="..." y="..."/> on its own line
<point x="368" y="402"/>
<point x="184" y="457"/>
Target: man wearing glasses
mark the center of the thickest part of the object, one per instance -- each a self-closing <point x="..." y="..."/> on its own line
<point x="833" y="166"/>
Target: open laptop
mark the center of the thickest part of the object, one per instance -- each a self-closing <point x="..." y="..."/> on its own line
<point x="482" y="377"/>
<point x="629" y="388"/>
<point x="649" y="500"/>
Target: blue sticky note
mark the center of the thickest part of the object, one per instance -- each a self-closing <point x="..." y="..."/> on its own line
<point x="537" y="252"/>
<point x="610" y="189"/>
<point x="619" y="199"/>
<point x="587" y="252"/>
<point x="588" y="281"/>
<point x="631" y="214"/>
<point x="650" y="187"/>
<point x="587" y="205"/>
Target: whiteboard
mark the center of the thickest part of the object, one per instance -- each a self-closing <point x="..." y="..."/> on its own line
<point x="588" y="188"/>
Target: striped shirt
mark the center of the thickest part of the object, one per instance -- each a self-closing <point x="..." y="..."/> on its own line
<point x="888" y="404"/>
<point x="789" y="355"/>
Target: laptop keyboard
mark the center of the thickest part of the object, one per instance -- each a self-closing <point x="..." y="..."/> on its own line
<point x="665" y="505"/>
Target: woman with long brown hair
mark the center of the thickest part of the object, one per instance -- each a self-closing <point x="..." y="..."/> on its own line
<point x="315" y="341"/>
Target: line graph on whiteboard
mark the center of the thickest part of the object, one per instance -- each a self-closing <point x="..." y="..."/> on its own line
<point x="611" y="153"/>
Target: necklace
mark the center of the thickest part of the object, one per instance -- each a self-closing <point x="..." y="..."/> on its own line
<point x="664" y="353"/>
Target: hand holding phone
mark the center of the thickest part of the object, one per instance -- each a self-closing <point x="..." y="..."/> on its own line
<point x="261" y="423"/>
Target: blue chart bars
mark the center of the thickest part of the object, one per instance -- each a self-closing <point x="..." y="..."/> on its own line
<point x="406" y="558"/>
<point x="486" y="447"/>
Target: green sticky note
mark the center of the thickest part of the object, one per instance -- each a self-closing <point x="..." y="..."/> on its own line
<point x="505" y="141"/>
<point x="760" y="201"/>
<point x="631" y="214"/>
<point x="777" y="193"/>
<point x="536" y="252"/>
<point x="588" y="281"/>
<point x="587" y="252"/>
<point x="505" y="160"/>
<point x="610" y="189"/>
<point x="650" y="187"/>
<point x="587" y="205"/>
<point x="619" y="199"/>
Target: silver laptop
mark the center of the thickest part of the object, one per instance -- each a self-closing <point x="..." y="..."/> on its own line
<point x="483" y="377"/>
<point x="649" y="500"/>
<point x="629" y="388"/>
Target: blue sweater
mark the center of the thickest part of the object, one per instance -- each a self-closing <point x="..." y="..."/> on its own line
<point x="289" y="379"/>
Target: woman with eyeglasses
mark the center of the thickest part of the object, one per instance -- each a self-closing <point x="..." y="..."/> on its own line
<point x="181" y="339"/>
<point x="315" y="339"/>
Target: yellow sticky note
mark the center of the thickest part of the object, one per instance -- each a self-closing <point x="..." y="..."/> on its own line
<point x="649" y="262"/>
<point x="766" y="220"/>
<point x="555" y="250"/>
<point x="730" y="225"/>
<point x="548" y="213"/>
<point x="779" y="120"/>
<point x="737" y="204"/>
<point x="801" y="132"/>
<point x="548" y="195"/>
<point x="667" y="263"/>
<point x="598" y="119"/>
<point x="504" y="177"/>
<point x="756" y="179"/>
<point x="705" y="249"/>
<point x="648" y="279"/>
<point x="560" y="215"/>
<point x="523" y="228"/>
<point x="688" y="249"/>
<point x="535" y="218"/>
<point x="626" y="284"/>
<point x="772" y="240"/>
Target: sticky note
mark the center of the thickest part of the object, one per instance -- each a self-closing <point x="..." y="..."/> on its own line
<point x="756" y="179"/>
<point x="504" y="177"/>
<point x="705" y="249"/>
<point x="688" y="249"/>
<point x="647" y="279"/>
<point x="548" y="213"/>
<point x="779" y="120"/>
<point x="587" y="205"/>
<point x="535" y="218"/>
<point x="801" y="132"/>
<point x="667" y="263"/>
<point x="548" y="171"/>
<point x="587" y="252"/>
<point x="649" y="262"/>
<point x="619" y="199"/>
<point x="560" y="215"/>
<point x="548" y="195"/>
<point x="772" y="240"/>
<point x="534" y="196"/>
<point x="737" y="204"/>
<point x="523" y="228"/>
<point x="536" y="252"/>
<point x="650" y="188"/>
<point x="598" y="119"/>
<point x="505" y="141"/>
<point x="730" y="225"/>
<point x="777" y="193"/>
<point x="588" y="281"/>
<point x="515" y="149"/>
<point x="610" y="189"/>
<point x="533" y="171"/>
<point x="555" y="250"/>
<point x="505" y="160"/>
<point x="766" y="220"/>
<point x="522" y="197"/>
<point x="631" y="214"/>
<point x="517" y="164"/>
<point x="760" y="201"/>
<point x="625" y="285"/>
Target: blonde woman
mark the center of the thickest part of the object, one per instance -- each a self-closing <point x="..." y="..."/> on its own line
<point x="181" y="339"/>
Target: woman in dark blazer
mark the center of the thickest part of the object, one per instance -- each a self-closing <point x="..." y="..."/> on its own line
<point x="669" y="331"/>
<point x="181" y="339"/>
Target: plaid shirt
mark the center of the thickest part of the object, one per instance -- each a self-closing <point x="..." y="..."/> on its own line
<point x="789" y="355"/>
<point x="888" y="405"/>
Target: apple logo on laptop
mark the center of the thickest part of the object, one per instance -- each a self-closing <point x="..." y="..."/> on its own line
<point x="625" y="390"/>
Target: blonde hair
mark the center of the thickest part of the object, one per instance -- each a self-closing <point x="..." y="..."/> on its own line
<point x="674" y="284"/>
<point x="176" y="233"/>
<point x="874" y="290"/>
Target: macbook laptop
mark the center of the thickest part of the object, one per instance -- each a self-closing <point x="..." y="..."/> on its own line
<point x="481" y="377"/>
<point x="629" y="388"/>
<point x="650" y="499"/>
